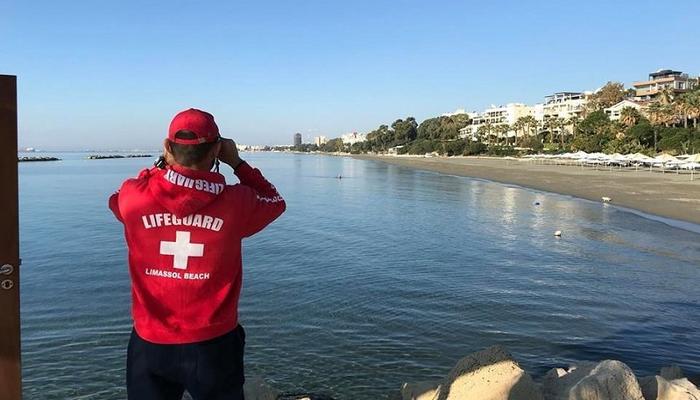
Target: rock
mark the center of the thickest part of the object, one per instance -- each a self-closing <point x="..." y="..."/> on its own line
<point x="419" y="391"/>
<point x="607" y="380"/>
<point x="558" y="382"/>
<point x="659" y="388"/>
<point x="255" y="388"/>
<point x="490" y="374"/>
<point x="671" y="372"/>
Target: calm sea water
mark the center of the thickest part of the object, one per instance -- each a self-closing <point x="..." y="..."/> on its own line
<point x="388" y="275"/>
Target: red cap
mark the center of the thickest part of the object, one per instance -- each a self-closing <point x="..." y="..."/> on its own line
<point x="201" y="123"/>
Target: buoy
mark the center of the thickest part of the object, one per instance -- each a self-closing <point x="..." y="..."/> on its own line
<point x="606" y="199"/>
<point x="557" y="233"/>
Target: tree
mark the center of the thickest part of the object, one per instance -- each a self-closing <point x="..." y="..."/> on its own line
<point x="443" y="128"/>
<point x="660" y="114"/>
<point x="573" y="122"/>
<point x="502" y="132"/>
<point x="404" y="131"/>
<point x="333" y="146"/>
<point x="518" y="127"/>
<point x="689" y="106"/>
<point x="630" y="116"/>
<point x="610" y="94"/>
<point x="555" y="125"/>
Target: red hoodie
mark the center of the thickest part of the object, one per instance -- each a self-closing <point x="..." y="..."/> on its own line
<point x="184" y="229"/>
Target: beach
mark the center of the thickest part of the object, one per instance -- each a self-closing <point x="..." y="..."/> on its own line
<point x="667" y="195"/>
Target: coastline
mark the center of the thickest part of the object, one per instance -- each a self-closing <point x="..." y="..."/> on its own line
<point x="664" y="195"/>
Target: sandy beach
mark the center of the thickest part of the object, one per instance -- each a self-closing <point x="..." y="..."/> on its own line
<point x="666" y="195"/>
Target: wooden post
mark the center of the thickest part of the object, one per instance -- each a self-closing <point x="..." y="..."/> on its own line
<point x="10" y="361"/>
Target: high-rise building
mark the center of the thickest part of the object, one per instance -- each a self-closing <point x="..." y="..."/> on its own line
<point x="297" y="139"/>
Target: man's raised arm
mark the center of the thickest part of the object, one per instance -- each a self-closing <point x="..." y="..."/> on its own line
<point x="261" y="204"/>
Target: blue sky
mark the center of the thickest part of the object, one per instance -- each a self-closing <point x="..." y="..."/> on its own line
<point x="98" y="74"/>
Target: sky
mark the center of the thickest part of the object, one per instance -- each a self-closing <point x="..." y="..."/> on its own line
<point x="111" y="75"/>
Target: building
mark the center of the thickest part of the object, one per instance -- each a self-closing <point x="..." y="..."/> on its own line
<point x="662" y="79"/>
<point x="494" y="117"/>
<point x="564" y="105"/>
<point x="320" y="140"/>
<point x="297" y="139"/>
<point x="354" y="137"/>
<point x="615" y="110"/>
<point x="458" y="111"/>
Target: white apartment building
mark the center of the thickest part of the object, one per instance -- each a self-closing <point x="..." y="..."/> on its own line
<point x="354" y="137"/>
<point x="320" y="140"/>
<point x="615" y="110"/>
<point x="564" y="105"/>
<point x="497" y="116"/>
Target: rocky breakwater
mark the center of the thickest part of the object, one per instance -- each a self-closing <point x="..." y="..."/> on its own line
<point x="112" y="156"/>
<point x="37" y="159"/>
<point x="493" y="374"/>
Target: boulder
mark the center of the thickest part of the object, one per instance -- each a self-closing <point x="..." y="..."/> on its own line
<point x="255" y="388"/>
<point x="419" y="391"/>
<point x="490" y="374"/>
<point x="671" y="372"/>
<point x="557" y="382"/>
<point x="607" y="380"/>
<point x="659" y="388"/>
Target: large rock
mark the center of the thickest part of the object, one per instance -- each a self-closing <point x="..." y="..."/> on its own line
<point x="659" y="388"/>
<point x="418" y="391"/>
<point x="671" y="372"/>
<point x="607" y="380"/>
<point x="490" y="374"/>
<point x="255" y="388"/>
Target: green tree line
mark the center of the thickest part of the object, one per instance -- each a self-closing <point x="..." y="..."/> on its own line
<point x="668" y="124"/>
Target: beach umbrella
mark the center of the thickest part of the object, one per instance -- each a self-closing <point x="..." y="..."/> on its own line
<point x="692" y="166"/>
<point x="665" y="158"/>
<point x="695" y="158"/>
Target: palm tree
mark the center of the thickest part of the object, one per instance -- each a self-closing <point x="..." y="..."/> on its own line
<point x="573" y="122"/>
<point x="502" y="132"/>
<point x="518" y="126"/>
<point x="688" y="105"/>
<point x="666" y="95"/>
<point x="629" y="116"/>
<point x="660" y="114"/>
<point x="553" y="125"/>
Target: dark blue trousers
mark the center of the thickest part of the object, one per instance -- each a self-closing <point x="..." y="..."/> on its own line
<point x="209" y="370"/>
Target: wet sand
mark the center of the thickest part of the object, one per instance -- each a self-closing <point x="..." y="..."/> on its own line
<point x="668" y="195"/>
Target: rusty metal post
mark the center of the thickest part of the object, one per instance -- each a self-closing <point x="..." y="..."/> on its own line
<point x="10" y="360"/>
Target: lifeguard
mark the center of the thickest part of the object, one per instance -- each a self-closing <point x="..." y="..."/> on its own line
<point x="183" y="226"/>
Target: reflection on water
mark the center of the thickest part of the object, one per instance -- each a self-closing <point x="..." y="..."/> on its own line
<point x="384" y="276"/>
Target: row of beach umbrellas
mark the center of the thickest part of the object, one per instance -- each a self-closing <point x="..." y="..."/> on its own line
<point x="666" y="161"/>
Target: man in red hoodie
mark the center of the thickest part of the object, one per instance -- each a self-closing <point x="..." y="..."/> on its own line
<point x="183" y="226"/>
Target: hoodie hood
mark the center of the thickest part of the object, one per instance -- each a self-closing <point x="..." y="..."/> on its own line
<point x="184" y="191"/>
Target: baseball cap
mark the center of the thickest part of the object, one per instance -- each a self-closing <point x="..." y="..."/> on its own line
<point x="199" y="122"/>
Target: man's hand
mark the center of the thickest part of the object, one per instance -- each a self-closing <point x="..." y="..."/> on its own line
<point x="229" y="153"/>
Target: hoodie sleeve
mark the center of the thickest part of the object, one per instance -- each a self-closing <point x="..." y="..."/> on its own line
<point x="114" y="205"/>
<point x="261" y="204"/>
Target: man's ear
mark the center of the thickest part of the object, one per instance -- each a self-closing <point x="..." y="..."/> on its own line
<point x="166" y="147"/>
<point x="168" y="152"/>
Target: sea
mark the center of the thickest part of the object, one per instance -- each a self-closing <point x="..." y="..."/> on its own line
<point x="386" y="275"/>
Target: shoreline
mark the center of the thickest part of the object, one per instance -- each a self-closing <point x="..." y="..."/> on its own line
<point x="666" y="195"/>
